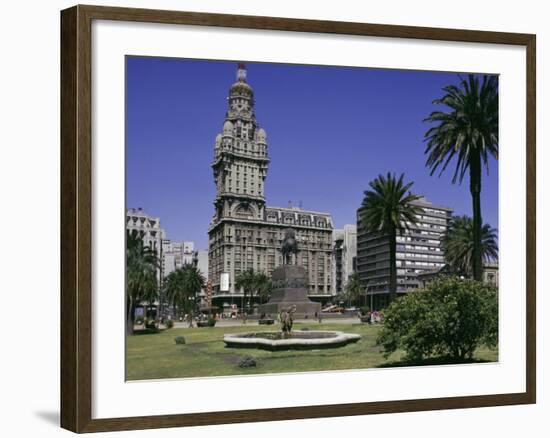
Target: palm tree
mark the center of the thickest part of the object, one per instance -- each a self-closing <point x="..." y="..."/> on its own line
<point x="387" y="209"/>
<point x="182" y="287"/>
<point x="194" y="283"/>
<point x="175" y="292"/>
<point x="141" y="276"/>
<point x="247" y="282"/>
<point x="263" y="286"/>
<point x="459" y="244"/>
<point x="353" y="288"/>
<point x="469" y="132"/>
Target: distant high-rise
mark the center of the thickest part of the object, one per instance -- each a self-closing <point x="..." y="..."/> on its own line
<point x="418" y="250"/>
<point x="245" y="233"/>
<point x="202" y="262"/>
<point x="176" y="254"/>
<point x="344" y="254"/>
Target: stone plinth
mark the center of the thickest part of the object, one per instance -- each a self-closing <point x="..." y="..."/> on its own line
<point x="290" y="286"/>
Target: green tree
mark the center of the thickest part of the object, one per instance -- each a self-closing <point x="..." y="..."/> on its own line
<point x="451" y="318"/>
<point x="253" y="283"/>
<point x="458" y="244"/>
<point x="469" y="133"/>
<point x="263" y="286"/>
<point x="352" y="291"/>
<point x="141" y="276"/>
<point x="247" y="282"/>
<point x="182" y="287"/>
<point x="387" y="209"/>
<point x="354" y="288"/>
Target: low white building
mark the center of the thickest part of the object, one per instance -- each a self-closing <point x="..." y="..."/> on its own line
<point x="147" y="227"/>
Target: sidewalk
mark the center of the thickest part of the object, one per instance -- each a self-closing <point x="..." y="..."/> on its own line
<point x="254" y="322"/>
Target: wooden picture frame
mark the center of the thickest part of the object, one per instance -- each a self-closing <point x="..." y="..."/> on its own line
<point x="76" y="218"/>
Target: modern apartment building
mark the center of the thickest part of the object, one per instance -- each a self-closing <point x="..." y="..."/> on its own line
<point x="418" y="250"/>
<point x="176" y="254"/>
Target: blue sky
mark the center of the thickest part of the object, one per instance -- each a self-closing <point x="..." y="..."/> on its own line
<point x="330" y="131"/>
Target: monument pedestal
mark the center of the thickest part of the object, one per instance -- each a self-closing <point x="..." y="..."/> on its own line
<point x="290" y="286"/>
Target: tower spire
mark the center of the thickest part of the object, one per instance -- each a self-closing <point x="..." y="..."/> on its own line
<point x="241" y="72"/>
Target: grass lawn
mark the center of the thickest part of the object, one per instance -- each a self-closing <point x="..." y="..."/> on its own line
<point x="156" y="355"/>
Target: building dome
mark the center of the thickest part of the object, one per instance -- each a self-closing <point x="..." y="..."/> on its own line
<point x="228" y="128"/>
<point x="241" y="87"/>
<point x="218" y="140"/>
<point x="262" y="136"/>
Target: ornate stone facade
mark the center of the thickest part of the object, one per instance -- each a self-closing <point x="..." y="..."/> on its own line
<point x="145" y="226"/>
<point x="245" y="233"/>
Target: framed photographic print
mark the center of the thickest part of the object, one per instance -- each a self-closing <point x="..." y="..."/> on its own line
<point x="268" y="218"/>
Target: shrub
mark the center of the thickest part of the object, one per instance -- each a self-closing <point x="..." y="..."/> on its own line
<point x="266" y="321"/>
<point x="180" y="340"/>
<point x="168" y="323"/>
<point x="451" y="318"/>
<point x="139" y="320"/>
<point x="364" y="310"/>
<point x="211" y="322"/>
<point x="247" y="362"/>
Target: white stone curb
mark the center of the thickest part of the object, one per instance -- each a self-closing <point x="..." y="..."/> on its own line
<point x="340" y="338"/>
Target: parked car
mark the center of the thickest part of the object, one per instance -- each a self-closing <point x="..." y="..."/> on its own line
<point x="333" y="309"/>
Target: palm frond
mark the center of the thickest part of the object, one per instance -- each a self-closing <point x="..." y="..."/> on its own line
<point x="389" y="205"/>
<point x="459" y="244"/>
<point x="468" y="130"/>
